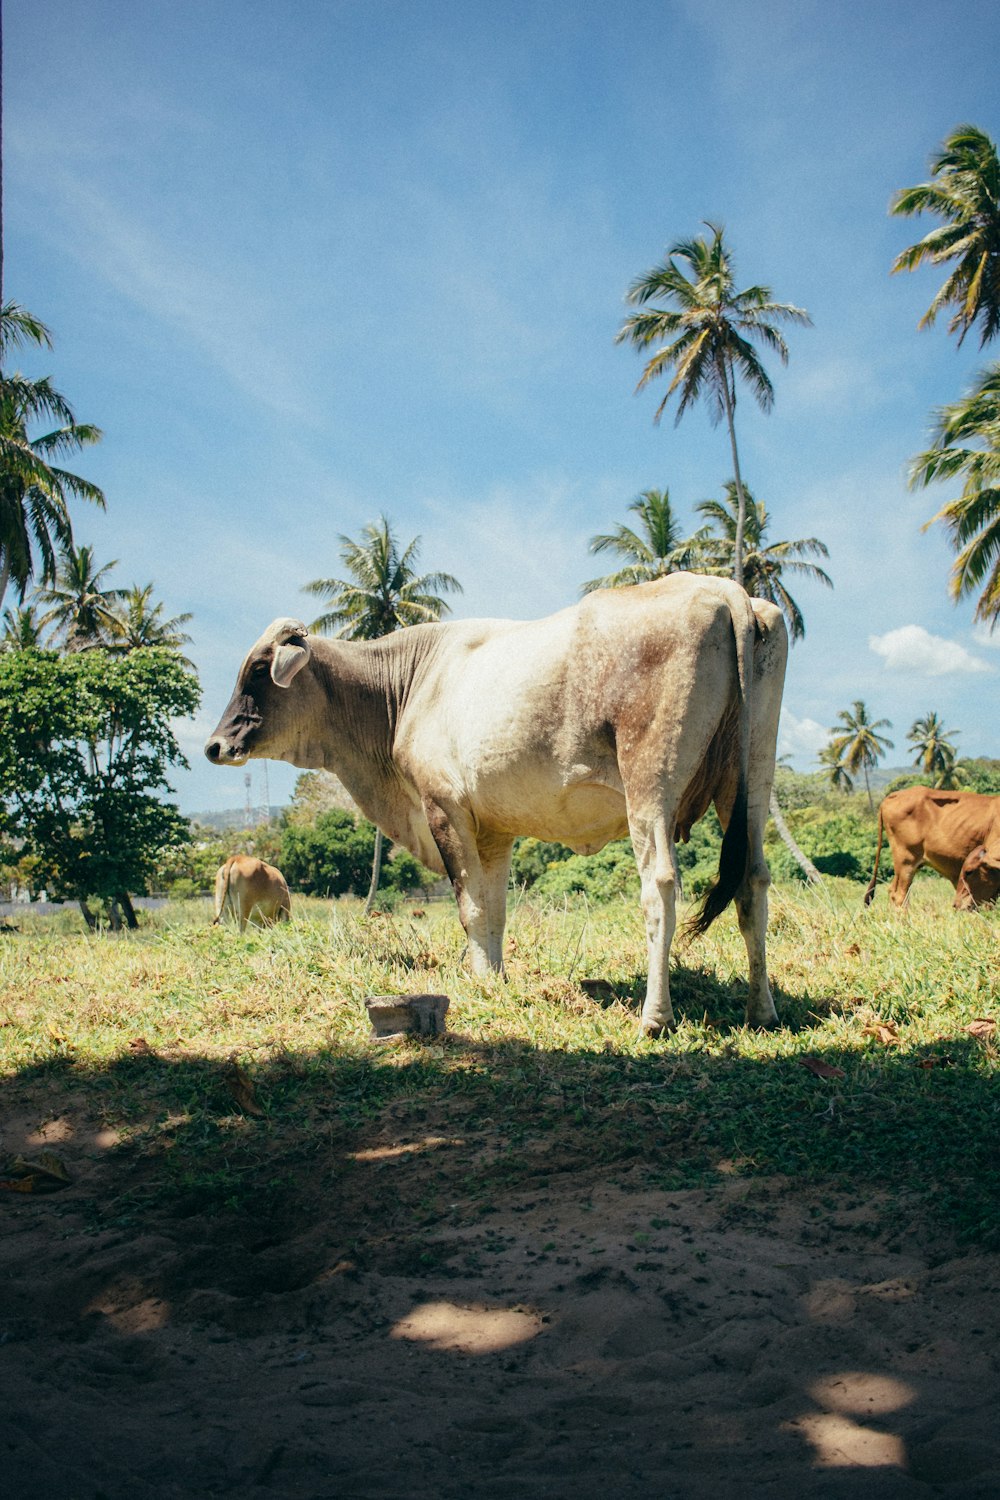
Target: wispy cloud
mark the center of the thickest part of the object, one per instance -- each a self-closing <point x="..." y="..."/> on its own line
<point x="913" y="650"/>
<point x="985" y="635"/>
<point x="218" y="313"/>
<point x="511" y="548"/>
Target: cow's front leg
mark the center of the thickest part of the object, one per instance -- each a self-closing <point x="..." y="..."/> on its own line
<point x="494" y="859"/>
<point x="454" y="834"/>
<point x="653" y="845"/>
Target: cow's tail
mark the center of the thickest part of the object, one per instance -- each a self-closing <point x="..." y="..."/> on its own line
<point x="735" y="851"/>
<point x="870" y="892"/>
<point x="221" y="902"/>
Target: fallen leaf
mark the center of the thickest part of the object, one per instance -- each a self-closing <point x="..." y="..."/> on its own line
<point x="139" y="1047"/>
<point x="885" y="1032"/>
<point x="853" y="951"/>
<point x="935" y="1062"/>
<point x="240" y="1085"/>
<point x="822" y="1069"/>
<point x="982" y="1028"/>
<point x="44" y="1173"/>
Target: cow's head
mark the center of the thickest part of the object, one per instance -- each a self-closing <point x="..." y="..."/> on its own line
<point x="979" y="882"/>
<point x="270" y="712"/>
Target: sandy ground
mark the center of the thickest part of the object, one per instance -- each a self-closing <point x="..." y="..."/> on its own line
<point x="593" y="1337"/>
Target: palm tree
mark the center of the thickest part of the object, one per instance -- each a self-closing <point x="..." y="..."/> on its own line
<point x="832" y="763"/>
<point x="857" y="742"/>
<point x="381" y="595"/>
<point x="763" y="565"/>
<point x="651" y="550"/>
<point x="934" y="752"/>
<point x="967" y="443"/>
<point x="706" y="335"/>
<point x="141" y="623"/>
<point x="382" y="592"/>
<point x="34" y="492"/>
<point x="964" y="191"/>
<point x="22" y="630"/>
<point x="83" y="611"/>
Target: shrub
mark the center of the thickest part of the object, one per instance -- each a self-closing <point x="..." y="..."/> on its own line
<point x="532" y="858"/>
<point x="333" y="857"/>
<point x="600" y="877"/>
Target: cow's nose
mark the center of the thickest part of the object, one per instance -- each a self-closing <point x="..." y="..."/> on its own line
<point x="213" y="749"/>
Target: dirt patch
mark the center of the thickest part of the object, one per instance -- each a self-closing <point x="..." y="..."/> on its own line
<point x="382" y="1330"/>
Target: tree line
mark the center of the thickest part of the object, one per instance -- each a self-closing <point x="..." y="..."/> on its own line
<point x="694" y="327"/>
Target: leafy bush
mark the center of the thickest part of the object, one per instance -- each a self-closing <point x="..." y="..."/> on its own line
<point x="532" y="858"/>
<point x="601" y="877"/>
<point x="838" y="843"/>
<point x="333" y="857"/>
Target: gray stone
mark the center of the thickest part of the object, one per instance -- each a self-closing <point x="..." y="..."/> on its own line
<point x="406" y="1015"/>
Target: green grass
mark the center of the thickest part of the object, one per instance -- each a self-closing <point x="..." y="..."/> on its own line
<point x="535" y="1078"/>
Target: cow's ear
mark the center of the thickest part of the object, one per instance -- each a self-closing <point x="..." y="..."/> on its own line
<point x="288" y="659"/>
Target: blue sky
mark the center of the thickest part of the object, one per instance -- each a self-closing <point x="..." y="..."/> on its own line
<point x="309" y="263"/>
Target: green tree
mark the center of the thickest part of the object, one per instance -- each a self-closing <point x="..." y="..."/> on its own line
<point x="967" y="445"/>
<point x="22" y="629"/>
<point x="764" y="565"/>
<point x="86" y="742"/>
<point x="653" y="548"/>
<point x="832" y="763"/>
<point x="856" y="741"/>
<point x="380" y="595"/>
<point x="333" y="856"/>
<point x="705" y="329"/>
<point x="34" y="489"/>
<point x="934" y="750"/>
<point x="83" y="612"/>
<point x="139" y="622"/>
<point x="964" y="191"/>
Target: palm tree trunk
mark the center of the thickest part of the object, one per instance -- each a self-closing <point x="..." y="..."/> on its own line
<point x="804" y="862"/>
<point x="376" y="873"/>
<point x="4" y="576"/>
<point x="871" y="805"/>
<point x="741" y="509"/>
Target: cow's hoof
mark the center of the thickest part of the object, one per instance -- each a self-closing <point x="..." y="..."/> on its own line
<point x="651" y="1030"/>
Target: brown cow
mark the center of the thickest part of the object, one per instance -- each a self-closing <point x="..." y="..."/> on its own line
<point x="979" y="882"/>
<point x="251" y="890"/>
<point x="926" y="826"/>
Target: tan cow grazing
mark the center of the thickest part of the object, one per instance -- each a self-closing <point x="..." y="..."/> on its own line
<point x="926" y="826"/>
<point x="628" y="713"/>
<point x="979" y="882"/>
<point x="251" y="891"/>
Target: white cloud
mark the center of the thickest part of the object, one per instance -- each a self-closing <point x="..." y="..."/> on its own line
<point x="913" y="649"/>
<point x="800" y="739"/>
<point x="985" y="635"/>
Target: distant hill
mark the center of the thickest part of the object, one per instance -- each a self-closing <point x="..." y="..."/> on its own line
<point x="234" y="817"/>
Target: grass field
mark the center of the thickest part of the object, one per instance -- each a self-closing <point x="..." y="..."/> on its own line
<point x="136" y="1035"/>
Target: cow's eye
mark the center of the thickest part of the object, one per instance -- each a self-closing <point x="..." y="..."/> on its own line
<point x="258" y="670"/>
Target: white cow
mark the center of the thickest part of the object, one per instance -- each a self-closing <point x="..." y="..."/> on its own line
<point x="629" y="712"/>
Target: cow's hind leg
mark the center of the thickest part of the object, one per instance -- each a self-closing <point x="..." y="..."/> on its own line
<point x="652" y="840"/>
<point x="751" y="911"/>
<point x="904" y="868"/>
